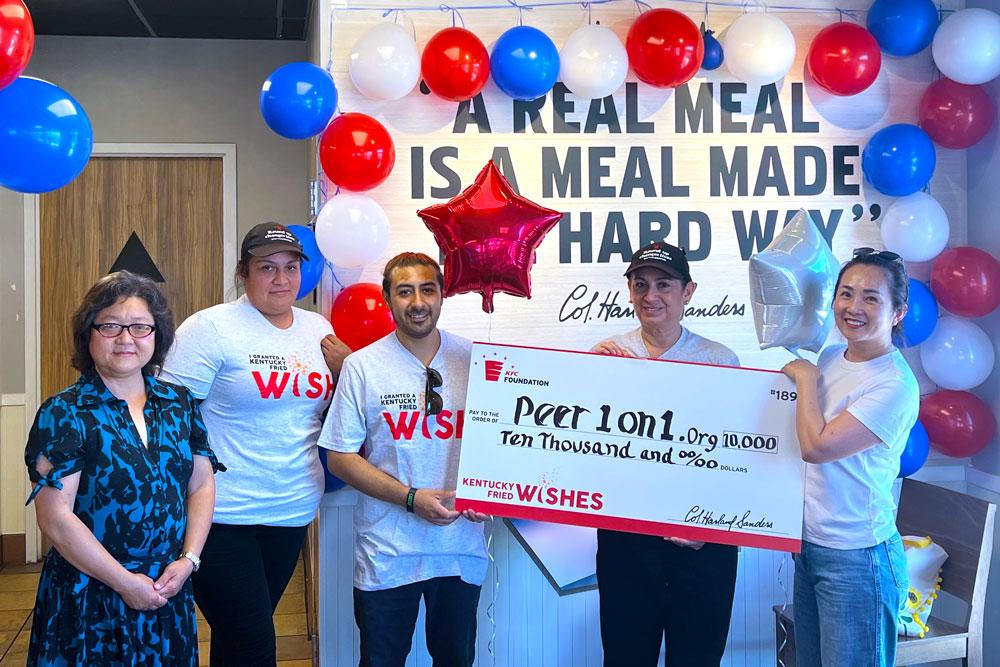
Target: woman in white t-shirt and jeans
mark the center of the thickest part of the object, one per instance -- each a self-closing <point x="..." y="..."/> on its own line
<point x="854" y="412"/>
<point x="264" y="372"/>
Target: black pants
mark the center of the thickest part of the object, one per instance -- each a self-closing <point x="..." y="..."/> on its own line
<point x="388" y="617"/>
<point x="651" y="588"/>
<point x="244" y="572"/>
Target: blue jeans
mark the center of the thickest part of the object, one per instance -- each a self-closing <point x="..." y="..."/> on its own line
<point x="387" y="619"/>
<point x="847" y="603"/>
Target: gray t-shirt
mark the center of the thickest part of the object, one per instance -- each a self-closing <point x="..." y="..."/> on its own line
<point x="378" y="411"/>
<point x="689" y="347"/>
<point x="264" y="390"/>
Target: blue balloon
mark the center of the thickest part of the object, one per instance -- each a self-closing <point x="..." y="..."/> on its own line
<point x="713" y="52"/>
<point x="899" y="160"/>
<point x="45" y="136"/>
<point x="903" y="27"/>
<point x="921" y="315"/>
<point x="914" y="455"/>
<point x="298" y="100"/>
<point x="312" y="267"/>
<point x="331" y="481"/>
<point x="524" y="63"/>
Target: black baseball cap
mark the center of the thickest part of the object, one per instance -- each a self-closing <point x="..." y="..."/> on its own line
<point x="667" y="258"/>
<point x="268" y="238"/>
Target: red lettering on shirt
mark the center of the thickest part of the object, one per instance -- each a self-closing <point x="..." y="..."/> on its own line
<point x="403" y="425"/>
<point x="402" y="429"/>
<point x="273" y="388"/>
<point x="316" y="388"/>
<point x="445" y="428"/>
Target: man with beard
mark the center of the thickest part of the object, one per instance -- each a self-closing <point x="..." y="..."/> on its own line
<point x="393" y="433"/>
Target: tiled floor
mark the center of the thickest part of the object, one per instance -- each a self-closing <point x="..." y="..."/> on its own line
<point x="17" y="597"/>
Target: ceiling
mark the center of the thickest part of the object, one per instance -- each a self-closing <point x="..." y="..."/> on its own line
<point x="204" y="19"/>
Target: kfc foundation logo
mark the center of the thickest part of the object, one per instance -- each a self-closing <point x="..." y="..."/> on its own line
<point x="498" y="369"/>
<point x="493" y="369"/>
<point x="494" y="364"/>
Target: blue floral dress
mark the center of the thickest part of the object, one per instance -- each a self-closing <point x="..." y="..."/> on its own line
<point x="132" y="497"/>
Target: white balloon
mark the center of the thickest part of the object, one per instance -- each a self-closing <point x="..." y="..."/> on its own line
<point x="915" y="227"/>
<point x="352" y="230"/>
<point x="958" y="355"/>
<point x="759" y="48"/>
<point x="384" y="63"/>
<point x="966" y="46"/>
<point x="593" y="63"/>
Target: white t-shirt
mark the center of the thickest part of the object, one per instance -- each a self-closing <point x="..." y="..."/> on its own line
<point x="379" y="411"/>
<point x="689" y="347"/>
<point x="265" y="390"/>
<point x="849" y="503"/>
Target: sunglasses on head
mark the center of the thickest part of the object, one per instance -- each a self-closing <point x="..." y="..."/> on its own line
<point x="886" y="255"/>
<point x="433" y="403"/>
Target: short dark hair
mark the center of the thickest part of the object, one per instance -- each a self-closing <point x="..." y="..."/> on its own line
<point x="405" y="260"/>
<point x="895" y="275"/>
<point x="108" y="291"/>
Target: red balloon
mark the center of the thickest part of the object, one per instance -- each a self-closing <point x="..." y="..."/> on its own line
<point x="360" y="315"/>
<point x="956" y="115"/>
<point x="488" y="234"/>
<point x="966" y="281"/>
<point x="958" y="423"/>
<point x="17" y="39"/>
<point x="455" y="64"/>
<point x="844" y="58"/>
<point x="665" y="48"/>
<point x="356" y="152"/>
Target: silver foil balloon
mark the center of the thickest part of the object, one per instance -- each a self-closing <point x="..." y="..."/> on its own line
<point x="791" y="287"/>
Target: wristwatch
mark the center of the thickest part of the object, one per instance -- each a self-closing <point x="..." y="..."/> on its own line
<point x="193" y="557"/>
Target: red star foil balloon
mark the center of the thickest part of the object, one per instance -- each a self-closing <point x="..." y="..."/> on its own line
<point x="488" y="234"/>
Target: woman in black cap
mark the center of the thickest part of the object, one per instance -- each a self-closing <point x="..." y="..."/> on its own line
<point x="653" y="587"/>
<point x="265" y="373"/>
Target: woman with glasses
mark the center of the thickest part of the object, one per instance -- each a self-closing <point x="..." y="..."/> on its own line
<point x="265" y="373"/>
<point x="854" y="412"/>
<point x="123" y="489"/>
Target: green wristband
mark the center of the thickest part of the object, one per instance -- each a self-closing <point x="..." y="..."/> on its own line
<point x="410" y="496"/>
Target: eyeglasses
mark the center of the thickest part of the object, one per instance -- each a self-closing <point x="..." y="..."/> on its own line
<point x="887" y="255"/>
<point x="433" y="403"/>
<point x="114" y="330"/>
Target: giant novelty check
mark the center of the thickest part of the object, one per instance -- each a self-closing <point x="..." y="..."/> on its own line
<point x="666" y="448"/>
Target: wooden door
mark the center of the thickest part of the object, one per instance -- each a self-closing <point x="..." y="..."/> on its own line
<point x="174" y="207"/>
